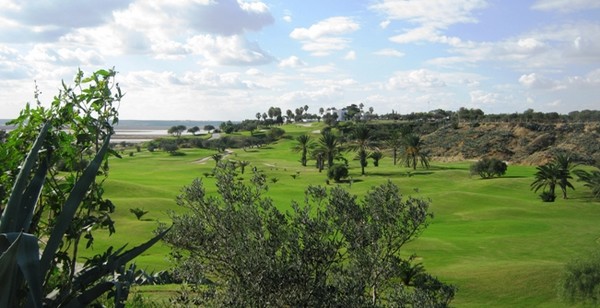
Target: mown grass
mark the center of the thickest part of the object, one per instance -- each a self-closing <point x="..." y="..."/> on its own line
<point x="494" y="239"/>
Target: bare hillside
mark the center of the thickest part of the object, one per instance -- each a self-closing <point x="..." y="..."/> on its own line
<point x="524" y="143"/>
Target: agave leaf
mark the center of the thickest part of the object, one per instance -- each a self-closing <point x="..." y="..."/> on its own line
<point x="32" y="194"/>
<point x="88" y="296"/>
<point x="64" y="219"/>
<point x="8" y="271"/>
<point x="115" y="261"/>
<point x="8" y="222"/>
<point x="22" y="254"/>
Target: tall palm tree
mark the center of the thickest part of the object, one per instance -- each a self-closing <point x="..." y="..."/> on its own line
<point x="546" y="176"/>
<point x="329" y="146"/>
<point x="413" y="152"/>
<point x="394" y="142"/>
<point x="564" y="164"/>
<point x="303" y="145"/>
<point x="361" y="136"/>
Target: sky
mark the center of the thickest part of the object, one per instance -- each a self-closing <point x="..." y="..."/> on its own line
<point x="229" y="59"/>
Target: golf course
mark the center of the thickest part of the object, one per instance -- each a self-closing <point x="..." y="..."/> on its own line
<point x="494" y="239"/>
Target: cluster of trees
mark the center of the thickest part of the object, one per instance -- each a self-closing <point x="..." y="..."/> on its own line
<point x="333" y="250"/>
<point x="360" y="138"/>
<point x="475" y="114"/>
<point x="557" y="172"/>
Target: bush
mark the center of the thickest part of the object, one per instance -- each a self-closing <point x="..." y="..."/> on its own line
<point x="337" y="172"/>
<point x="489" y="167"/>
<point x="580" y="281"/>
<point x="548" y="196"/>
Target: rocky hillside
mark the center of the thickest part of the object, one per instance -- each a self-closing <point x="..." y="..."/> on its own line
<point x="523" y="143"/>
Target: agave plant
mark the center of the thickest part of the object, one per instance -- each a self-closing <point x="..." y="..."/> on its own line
<point x="21" y="267"/>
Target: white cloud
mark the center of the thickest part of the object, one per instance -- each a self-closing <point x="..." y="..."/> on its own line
<point x="231" y="50"/>
<point x="415" y="80"/>
<point x="351" y="55"/>
<point x="48" y="20"/>
<point x="565" y="6"/>
<point x="535" y="81"/>
<point x="431" y="17"/>
<point x="324" y="37"/>
<point x="389" y="52"/>
<point x="479" y="97"/>
<point x="292" y="62"/>
<point x="384" y="24"/>
<point x="551" y="47"/>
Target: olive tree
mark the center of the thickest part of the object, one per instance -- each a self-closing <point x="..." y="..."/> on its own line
<point x="487" y="168"/>
<point x="331" y="250"/>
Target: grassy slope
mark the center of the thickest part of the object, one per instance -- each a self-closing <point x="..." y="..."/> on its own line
<point x="493" y="238"/>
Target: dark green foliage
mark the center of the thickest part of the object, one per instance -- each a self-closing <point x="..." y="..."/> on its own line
<point x="414" y="152"/>
<point x="376" y="156"/>
<point x="331" y="251"/>
<point x="556" y="172"/>
<point x="580" y="281"/>
<point x="276" y="133"/>
<point x="489" y="167"/>
<point x="591" y="180"/>
<point x="138" y="212"/>
<point x="337" y="172"/>
<point x="548" y="196"/>
<point x="304" y="144"/>
<point x="169" y="146"/>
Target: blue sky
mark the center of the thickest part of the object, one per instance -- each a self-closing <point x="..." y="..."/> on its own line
<point x="228" y="59"/>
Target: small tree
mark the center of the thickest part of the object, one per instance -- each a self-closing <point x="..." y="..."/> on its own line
<point x="580" y="281"/>
<point x="489" y="167"/>
<point x="376" y="156"/>
<point x="194" y="130"/>
<point x="337" y="172"/>
<point x="333" y="250"/>
<point x="176" y="130"/>
<point x="591" y="180"/>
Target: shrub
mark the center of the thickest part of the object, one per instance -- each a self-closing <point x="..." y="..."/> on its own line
<point x="548" y="196"/>
<point x="580" y="281"/>
<point x="337" y="172"/>
<point x="489" y="167"/>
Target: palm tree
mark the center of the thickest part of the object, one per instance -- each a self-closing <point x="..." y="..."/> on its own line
<point x="304" y="143"/>
<point x="413" y="152"/>
<point x="376" y="156"/>
<point x="565" y="164"/>
<point x="591" y="179"/>
<point x="362" y="143"/>
<point x="243" y="164"/>
<point x="394" y="142"/>
<point x="546" y="176"/>
<point x="329" y="147"/>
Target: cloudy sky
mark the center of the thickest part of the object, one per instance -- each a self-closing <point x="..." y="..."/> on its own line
<point x="228" y="59"/>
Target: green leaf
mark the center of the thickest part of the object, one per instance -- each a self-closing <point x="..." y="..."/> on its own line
<point x="88" y="296"/>
<point x="9" y="222"/>
<point x="114" y="261"/>
<point x="22" y="254"/>
<point x="8" y="271"/>
<point x="32" y="194"/>
<point x="103" y="73"/>
<point x="64" y="219"/>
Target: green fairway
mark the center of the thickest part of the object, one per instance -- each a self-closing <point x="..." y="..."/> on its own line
<point x="494" y="239"/>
